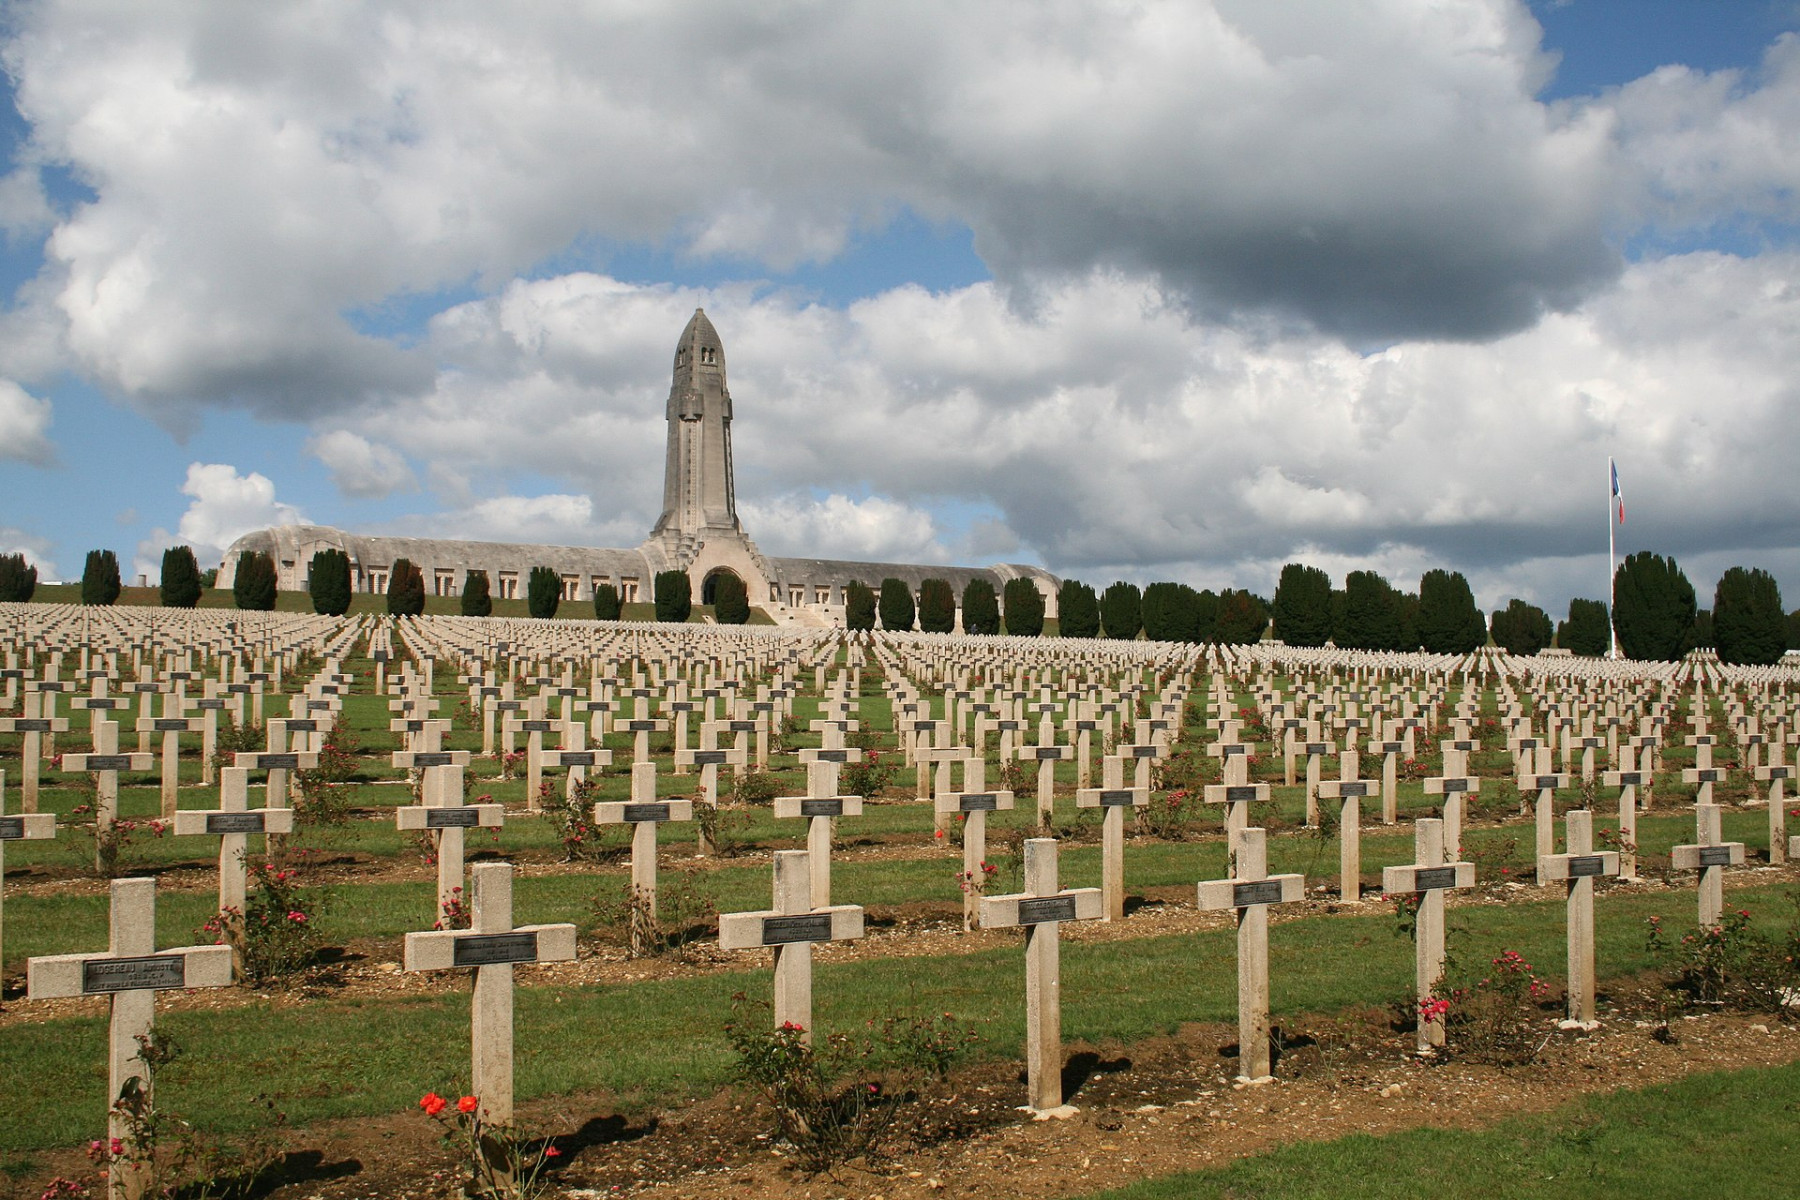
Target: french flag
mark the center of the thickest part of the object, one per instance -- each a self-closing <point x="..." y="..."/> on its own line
<point x="1617" y="495"/>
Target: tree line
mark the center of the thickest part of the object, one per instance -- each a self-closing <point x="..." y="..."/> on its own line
<point x="1658" y="615"/>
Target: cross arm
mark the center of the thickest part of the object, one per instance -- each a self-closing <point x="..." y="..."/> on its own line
<point x="755" y="930"/>
<point x="449" y="816"/>
<point x="189" y="823"/>
<point x="1217" y="894"/>
<point x="56" y="975"/>
<point x="1112" y="798"/>
<point x="446" y="949"/>
<point x="1075" y="904"/>
<point x="1552" y="867"/>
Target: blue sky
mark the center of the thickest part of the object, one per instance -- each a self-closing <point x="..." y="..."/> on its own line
<point x="1357" y="286"/>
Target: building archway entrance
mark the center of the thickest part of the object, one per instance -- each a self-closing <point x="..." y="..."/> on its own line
<point x="709" y="587"/>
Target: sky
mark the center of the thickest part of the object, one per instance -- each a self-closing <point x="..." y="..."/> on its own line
<point x="1146" y="290"/>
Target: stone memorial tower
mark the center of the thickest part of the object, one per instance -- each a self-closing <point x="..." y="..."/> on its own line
<point x="699" y="531"/>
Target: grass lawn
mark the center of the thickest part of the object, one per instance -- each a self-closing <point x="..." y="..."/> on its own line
<point x="1722" y="1134"/>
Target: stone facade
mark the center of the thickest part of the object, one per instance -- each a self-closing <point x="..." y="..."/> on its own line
<point x="698" y="531"/>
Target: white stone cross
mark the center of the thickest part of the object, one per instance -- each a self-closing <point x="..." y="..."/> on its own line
<point x="1112" y="799"/>
<point x="790" y="929"/>
<point x="1237" y="799"/>
<point x="709" y="761"/>
<point x="33" y="729"/>
<point x="492" y="946"/>
<point x="232" y="823"/>
<point x="277" y="763"/>
<point x="1428" y="878"/>
<point x="1709" y="856"/>
<point x="1250" y="891"/>
<point x="1579" y="866"/>
<point x="1544" y="783"/>
<point x="131" y="973"/>
<point x="1046" y="755"/>
<point x="1040" y="908"/>
<point x="1390" y="751"/>
<point x="105" y="764"/>
<point x="1704" y="776"/>
<point x="577" y="758"/>
<point x="1628" y="783"/>
<point x="1452" y="788"/>
<point x="445" y="817"/>
<point x="974" y="804"/>
<point x="1350" y="793"/>
<point x="643" y="812"/>
<point x="821" y="813"/>
<point x="1775" y="774"/>
<point x="171" y="728"/>
<point x="534" y="728"/>
<point x="1315" y="753"/>
<point x="20" y="827"/>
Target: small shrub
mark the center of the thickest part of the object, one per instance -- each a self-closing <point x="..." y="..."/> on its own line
<point x="1172" y="816"/>
<point x="753" y="787"/>
<point x="502" y="1162"/>
<point x="837" y="1101"/>
<point x="684" y="914"/>
<point x="1498" y="1018"/>
<point x="868" y="777"/>
<point x="276" y="937"/>
<point x="324" y="798"/>
<point x="572" y="817"/>
<point x="1730" y="965"/>
<point x="169" y="1156"/>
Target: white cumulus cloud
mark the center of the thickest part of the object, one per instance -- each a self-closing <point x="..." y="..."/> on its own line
<point x="360" y="468"/>
<point x="224" y="506"/>
<point x="24" y="426"/>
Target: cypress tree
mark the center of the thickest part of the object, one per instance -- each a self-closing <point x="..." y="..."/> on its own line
<point x="1024" y="606"/>
<point x="937" y="607"/>
<point x="731" y="600"/>
<point x="328" y="579"/>
<point x="1584" y="632"/>
<point x="980" y="608"/>
<point x="1449" y="622"/>
<point x="1748" y="624"/>
<point x="1242" y="618"/>
<point x="859" y="606"/>
<point x="18" y="579"/>
<point x="180" y="586"/>
<point x="896" y="604"/>
<point x="253" y="587"/>
<point x="477" y="600"/>
<point x="1521" y="628"/>
<point x="1700" y="633"/>
<point x="100" y="578"/>
<point x="1206" y="616"/>
<point x="543" y="592"/>
<point x="1302" y="607"/>
<point x="1653" y="607"/>
<point x="1372" y="615"/>
<point x="606" y="602"/>
<point x="406" y="589"/>
<point x="1122" y="610"/>
<point x="1168" y="612"/>
<point x="674" y="596"/>
<point x="1793" y="627"/>
<point x="1077" y="610"/>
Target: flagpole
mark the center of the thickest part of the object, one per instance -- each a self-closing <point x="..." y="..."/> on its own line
<point x="1612" y="570"/>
